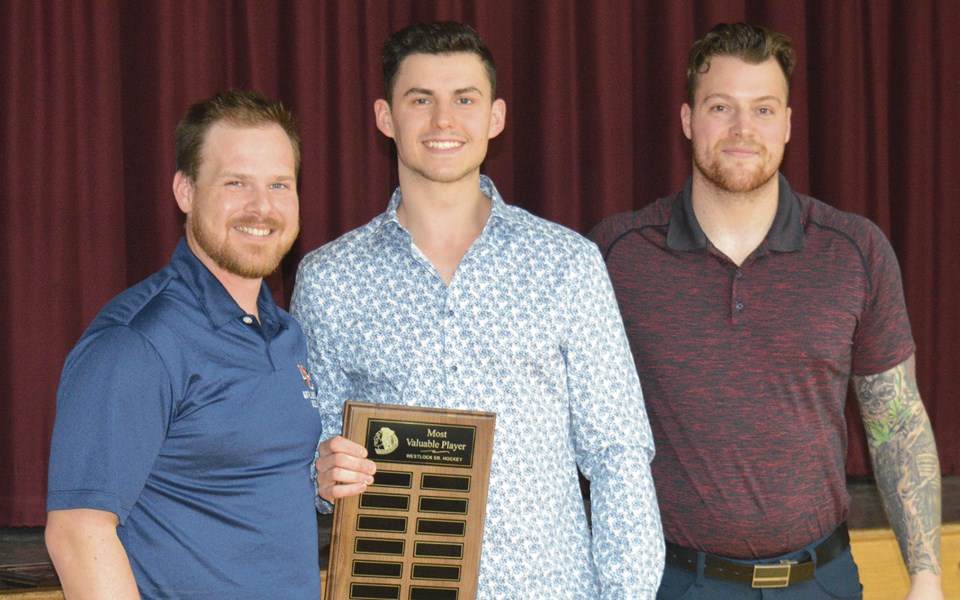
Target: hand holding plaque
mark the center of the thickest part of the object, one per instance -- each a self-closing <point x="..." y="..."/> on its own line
<point x="416" y="533"/>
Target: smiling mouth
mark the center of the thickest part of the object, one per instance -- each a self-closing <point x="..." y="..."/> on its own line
<point x="254" y="231"/>
<point x="436" y="145"/>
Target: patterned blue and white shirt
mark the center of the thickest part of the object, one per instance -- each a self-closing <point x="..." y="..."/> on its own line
<point x="529" y="329"/>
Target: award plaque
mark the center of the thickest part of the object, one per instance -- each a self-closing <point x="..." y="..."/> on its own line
<point x="415" y="533"/>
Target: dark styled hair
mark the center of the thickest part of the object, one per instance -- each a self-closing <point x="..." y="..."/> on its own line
<point x="445" y="37"/>
<point x="749" y="43"/>
<point x="241" y="108"/>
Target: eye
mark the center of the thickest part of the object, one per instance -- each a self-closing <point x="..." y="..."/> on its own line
<point x="278" y="186"/>
<point x="765" y="111"/>
<point x="464" y="101"/>
<point x="234" y="183"/>
<point x="718" y="108"/>
<point x="421" y="101"/>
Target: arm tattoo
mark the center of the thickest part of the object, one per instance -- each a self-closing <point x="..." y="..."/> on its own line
<point x="905" y="462"/>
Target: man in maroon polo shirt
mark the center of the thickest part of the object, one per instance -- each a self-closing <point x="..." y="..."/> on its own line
<point x="750" y="308"/>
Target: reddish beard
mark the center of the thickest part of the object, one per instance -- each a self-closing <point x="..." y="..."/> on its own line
<point x="735" y="178"/>
<point x="251" y="262"/>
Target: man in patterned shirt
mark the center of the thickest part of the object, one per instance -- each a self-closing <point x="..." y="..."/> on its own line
<point x="750" y="309"/>
<point x="453" y="299"/>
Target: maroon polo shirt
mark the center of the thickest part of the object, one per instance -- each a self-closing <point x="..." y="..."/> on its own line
<point x="745" y="369"/>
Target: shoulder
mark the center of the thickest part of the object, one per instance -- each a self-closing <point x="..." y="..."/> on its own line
<point x="144" y="303"/>
<point x="337" y="273"/>
<point x="111" y="362"/>
<point x="162" y="313"/>
<point x="347" y="248"/>
<point x="861" y="233"/>
<point x="611" y="230"/>
<point x="547" y="237"/>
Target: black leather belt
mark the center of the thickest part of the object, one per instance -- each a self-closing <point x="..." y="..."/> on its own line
<point x="772" y="575"/>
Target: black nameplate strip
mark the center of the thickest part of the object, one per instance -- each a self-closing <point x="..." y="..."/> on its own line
<point x="431" y="593"/>
<point x="441" y="527"/>
<point x="378" y="546"/>
<point x="437" y="550"/>
<point x="436" y="572"/>
<point x="451" y="483"/>
<point x="457" y="506"/>
<point x="388" y="524"/>
<point x="372" y="568"/>
<point x="420" y="443"/>
<point x="398" y="479"/>
<point x="385" y="501"/>
<point x="364" y="591"/>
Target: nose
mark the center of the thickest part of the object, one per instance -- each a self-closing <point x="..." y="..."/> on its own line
<point x="258" y="201"/>
<point x="442" y="116"/>
<point x="742" y="125"/>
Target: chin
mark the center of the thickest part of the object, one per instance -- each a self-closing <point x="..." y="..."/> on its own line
<point x="736" y="180"/>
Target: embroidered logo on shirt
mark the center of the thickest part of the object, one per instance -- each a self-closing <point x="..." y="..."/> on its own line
<point x="310" y="394"/>
<point x="306" y="376"/>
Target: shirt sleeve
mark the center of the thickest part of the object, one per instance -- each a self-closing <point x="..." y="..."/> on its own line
<point x="114" y="405"/>
<point x="612" y="436"/>
<point x="333" y="387"/>
<point x="883" y="338"/>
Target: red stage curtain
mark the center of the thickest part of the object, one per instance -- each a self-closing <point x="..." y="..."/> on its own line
<point x="92" y="90"/>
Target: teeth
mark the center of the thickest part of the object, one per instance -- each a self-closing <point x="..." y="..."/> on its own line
<point x="444" y="145"/>
<point x="253" y="231"/>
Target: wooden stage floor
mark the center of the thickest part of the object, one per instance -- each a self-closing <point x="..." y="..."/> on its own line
<point x="881" y="569"/>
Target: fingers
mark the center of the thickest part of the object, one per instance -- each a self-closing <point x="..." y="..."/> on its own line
<point x="342" y="469"/>
<point x="340" y="444"/>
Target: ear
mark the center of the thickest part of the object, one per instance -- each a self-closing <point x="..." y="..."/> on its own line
<point x="381" y="108"/>
<point x="183" y="191"/>
<point x="789" y="113"/>
<point x="498" y="118"/>
<point x="685" y="113"/>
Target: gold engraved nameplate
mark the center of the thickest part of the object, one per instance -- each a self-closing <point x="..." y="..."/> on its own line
<point x="415" y="534"/>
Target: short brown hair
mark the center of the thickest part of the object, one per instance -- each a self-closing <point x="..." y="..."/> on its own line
<point x="444" y="37"/>
<point x="242" y="108"/>
<point x="751" y="43"/>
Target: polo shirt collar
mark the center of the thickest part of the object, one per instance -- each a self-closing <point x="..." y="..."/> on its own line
<point x="214" y="300"/>
<point x="785" y="235"/>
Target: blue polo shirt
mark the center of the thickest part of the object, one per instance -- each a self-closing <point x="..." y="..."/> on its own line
<point x="197" y="426"/>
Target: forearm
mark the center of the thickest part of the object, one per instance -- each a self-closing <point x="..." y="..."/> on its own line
<point x="88" y="556"/>
<point x="908" y="476"/>
<point x="905" y="463"/>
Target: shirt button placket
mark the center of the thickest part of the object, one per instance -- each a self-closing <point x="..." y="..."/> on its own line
<point x="736" y="295"/>
<point x="448" y="314"/>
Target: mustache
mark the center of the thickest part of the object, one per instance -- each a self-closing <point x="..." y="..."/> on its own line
<point x="263" y="223"/>
<point x="741" y="145"/>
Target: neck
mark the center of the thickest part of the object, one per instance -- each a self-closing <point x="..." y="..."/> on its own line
<point x="735" y="223"/>
<point x="444" y="219"/>
<point x="244" y="291"/>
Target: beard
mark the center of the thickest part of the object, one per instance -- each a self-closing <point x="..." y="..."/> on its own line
<point x="248" y="262"/>
<point x="735" y="179"/>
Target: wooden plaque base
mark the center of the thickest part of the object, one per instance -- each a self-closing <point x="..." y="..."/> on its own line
<point x="415" y="534"/>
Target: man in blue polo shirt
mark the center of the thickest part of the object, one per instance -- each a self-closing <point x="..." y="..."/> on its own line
<point x="186" y="421"/>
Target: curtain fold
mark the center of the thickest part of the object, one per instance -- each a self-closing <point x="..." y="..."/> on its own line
<point x="94" y="88"/>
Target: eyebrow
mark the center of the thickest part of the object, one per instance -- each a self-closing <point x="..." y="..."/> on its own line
<point x="467" y="90"/>
<point x="243" y="177"/>
<point x="767" y="98"/>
